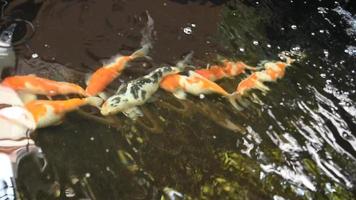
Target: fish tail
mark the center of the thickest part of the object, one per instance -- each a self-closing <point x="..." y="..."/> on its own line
<point x="182" y="64"/>
<point x="146" y="41"/>
<point x="147" y="31"/>
<point x="94" y="101"/>
<point x="141" y="52"/>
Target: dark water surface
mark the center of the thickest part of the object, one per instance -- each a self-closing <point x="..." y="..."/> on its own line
<point x="298" y="141"/>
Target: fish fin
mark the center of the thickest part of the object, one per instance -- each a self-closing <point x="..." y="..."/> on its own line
<point x="87" y="78"/>
<point x="142" y="52"/>
<point x="111" y="60"/>
<point x="57" y="123"/>
<point x="95" y="101"/>
<point x="232" y="99"/>
<point x="121" y="86"/>
<point x="182" y="64"/>
<point x="180" y="94"/>
<point x="146" y="41"/>
<point x="261" y="86"/>
<point x="147" y="32"/>
<point x="262" y="63"/>
<point x="152" y="99"/>
<point x="27" y="97"/>
<point x="103" y="95"/>
<point x="256" y="99"/>
<point x="243" y="102"/>
<point x="192" y="73"/>
<point x="260" y="67"/>
<point x="133" y="113"/>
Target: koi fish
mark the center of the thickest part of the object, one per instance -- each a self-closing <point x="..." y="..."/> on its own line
<point x="227" y="70"/>
<point x="136" y="93"/>
<point x="273" y="71"/>
<point x="47" y="113"/>
<point x="101" y="78"/>
<point x="194" y="84"/>
<point x="33" y="85"/>
<point x="7" y="54"/>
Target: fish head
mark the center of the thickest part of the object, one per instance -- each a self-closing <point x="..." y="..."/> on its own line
<point x="111" y="106"/>
<point x="7" y="35"/>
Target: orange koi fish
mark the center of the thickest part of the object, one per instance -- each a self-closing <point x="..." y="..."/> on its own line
<point x="32" y="84"/>
<point x="227" y="70"/>
<point x="101" y="78"/>
<point x="194" y="84"/>
<point x="273" y="71"/>
<point x="47" y="113"/>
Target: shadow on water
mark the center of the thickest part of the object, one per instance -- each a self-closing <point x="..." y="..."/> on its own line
<point x="297" y="141"/>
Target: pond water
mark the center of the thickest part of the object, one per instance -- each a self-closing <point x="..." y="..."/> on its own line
<point x="298" y="141"/>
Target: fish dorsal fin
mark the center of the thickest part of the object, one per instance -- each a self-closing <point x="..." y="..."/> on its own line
<point x="121" y="86"/>
<point x="182" y="64"/>
<point x="194" y="74"/>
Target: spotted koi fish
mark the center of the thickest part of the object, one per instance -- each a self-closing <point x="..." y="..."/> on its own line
<point x="47" y="113"/>
<point x="227" y="70"/>
<point x="34" y="85"/>
<point x="272" y="72"/>
<point x="136" y="93"/>
<point x="194" y="84"/>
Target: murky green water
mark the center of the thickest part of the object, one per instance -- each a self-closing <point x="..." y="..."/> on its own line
<point x="295" y="142"/>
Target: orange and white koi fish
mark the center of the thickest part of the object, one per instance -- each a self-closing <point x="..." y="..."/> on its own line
<point x="227" y="70"/>
<point x="101" y="78"/>
<point x="31" y="84"/>
<point x="273" y="71"/>
<point x="47" y="112"/>
<point x="194" y="84"/>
